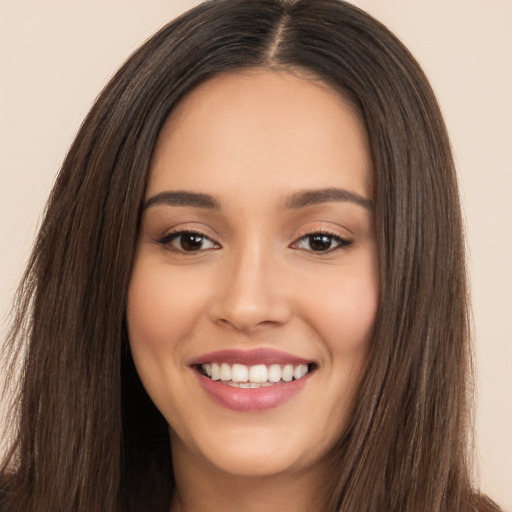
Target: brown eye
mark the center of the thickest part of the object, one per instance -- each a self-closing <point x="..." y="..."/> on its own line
<point x="321" y="242"/>
<point x="187" y="241"/>
<point x="190" y="242"/>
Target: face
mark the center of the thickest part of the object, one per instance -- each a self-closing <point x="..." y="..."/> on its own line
<point x="255" y="285"/>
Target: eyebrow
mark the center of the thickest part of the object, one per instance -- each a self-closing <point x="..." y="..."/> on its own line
<point x="325" y="195"/>
<point x="295" y="201"/>
<point x="183" y="198"/>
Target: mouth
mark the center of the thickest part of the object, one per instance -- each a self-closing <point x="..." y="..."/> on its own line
<point x="255" y="380"/>
<point x="239" y="375"/>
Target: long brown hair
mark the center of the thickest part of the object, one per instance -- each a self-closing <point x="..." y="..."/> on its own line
<point x="87" y="437"/>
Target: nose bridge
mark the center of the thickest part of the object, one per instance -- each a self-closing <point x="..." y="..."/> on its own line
<point x="251" y="293"/>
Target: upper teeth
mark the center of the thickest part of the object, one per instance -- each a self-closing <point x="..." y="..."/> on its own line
<point x="259" y="373"/>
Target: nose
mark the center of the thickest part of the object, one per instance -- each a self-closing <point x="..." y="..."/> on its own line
<point x="252" y="293"/>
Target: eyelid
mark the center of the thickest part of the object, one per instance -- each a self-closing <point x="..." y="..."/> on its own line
<point x="341" y="241"/>
<point x="172" y="235"/>
<point x="344" y="242"/>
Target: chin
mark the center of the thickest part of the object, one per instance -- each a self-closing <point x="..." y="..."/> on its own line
<point x="259" y="452"/>
<point x="257" y="461"/>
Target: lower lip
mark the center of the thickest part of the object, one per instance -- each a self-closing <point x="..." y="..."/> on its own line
<point x="255" y="399"/>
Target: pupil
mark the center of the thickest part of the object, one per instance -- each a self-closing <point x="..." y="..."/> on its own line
<point x="320" y="242"/>
<point x="191" y="242"/>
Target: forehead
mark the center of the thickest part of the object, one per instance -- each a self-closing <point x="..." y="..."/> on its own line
<point x="258" y="127"/>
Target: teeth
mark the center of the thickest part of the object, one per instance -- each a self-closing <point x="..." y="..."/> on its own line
<point x="215" y="371"/>
<point x="225" y="371"/>
<point x="249" y="385"/>
<point x="258" y="373"/>
<point x="239" y="373"/>
<point x="300" y="371"/>
<point x="274" y="373"/>
<point x="288" y="373"/>
<point x="242" y="376"/>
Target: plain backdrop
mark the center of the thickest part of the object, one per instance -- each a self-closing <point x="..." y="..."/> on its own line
<point x="55" y="56"/>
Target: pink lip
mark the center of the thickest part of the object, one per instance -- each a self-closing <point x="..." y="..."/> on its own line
<point x="258" y="399"/>
<point x="249" y="357"/>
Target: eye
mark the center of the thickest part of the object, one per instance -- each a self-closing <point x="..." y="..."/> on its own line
<point x="187" y="241"/>
<point x="321" y="242"/>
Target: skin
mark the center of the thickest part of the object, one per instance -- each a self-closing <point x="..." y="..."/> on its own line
<point x="252" y="140"/>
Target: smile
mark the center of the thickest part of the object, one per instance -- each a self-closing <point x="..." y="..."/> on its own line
<point x="252" y="380"/>
<point x="256" y="376"/>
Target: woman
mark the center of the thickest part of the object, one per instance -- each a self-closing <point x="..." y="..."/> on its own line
<point x="248" y="290"/>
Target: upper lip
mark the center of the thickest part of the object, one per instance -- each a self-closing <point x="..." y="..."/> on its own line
<point x="249" y="357"/>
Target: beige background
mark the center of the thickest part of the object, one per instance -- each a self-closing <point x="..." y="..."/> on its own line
<point x="55" y="56"/>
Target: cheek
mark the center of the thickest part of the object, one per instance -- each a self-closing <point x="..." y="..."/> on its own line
<point x="163" y="311"/>
<point x="345" y="310"/>
<point x="163" y="306"/>
<point x="343" y="316"/>
<point x="353" y="312"/>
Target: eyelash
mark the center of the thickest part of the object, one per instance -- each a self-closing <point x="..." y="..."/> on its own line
<point x="342" y="243"/>
<point x="167" y="240"/>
